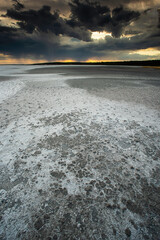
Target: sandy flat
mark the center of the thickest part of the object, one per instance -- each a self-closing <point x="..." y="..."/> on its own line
<point x="79" y="151"/>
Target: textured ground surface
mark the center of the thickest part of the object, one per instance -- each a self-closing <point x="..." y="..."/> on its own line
<point x="79" y="153"/>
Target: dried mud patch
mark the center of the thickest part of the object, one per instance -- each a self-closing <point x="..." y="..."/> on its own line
<point x="76" y="177"/>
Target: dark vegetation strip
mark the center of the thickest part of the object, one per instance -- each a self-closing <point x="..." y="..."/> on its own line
<point x="130" y="63"/>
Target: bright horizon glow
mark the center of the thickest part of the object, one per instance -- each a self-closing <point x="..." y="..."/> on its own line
<point x="7" y="59"/>
<point x="20" y="61"/>
<point x="147" y="52"/>
<point x="100" y="35"/>
<point x="65" y="60"/>
<point x="154" y="54"/>
<point x="101" y="60"/>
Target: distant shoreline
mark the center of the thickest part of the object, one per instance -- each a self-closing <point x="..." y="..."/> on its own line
<point x="149" y="63"/>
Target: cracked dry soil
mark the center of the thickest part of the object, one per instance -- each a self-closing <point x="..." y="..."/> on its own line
<point x="87" y="172"/>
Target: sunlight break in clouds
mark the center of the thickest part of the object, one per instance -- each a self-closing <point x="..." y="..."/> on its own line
<point x="100" y="35"/>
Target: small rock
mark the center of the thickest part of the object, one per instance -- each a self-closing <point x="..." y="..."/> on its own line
<point x="114" y="231"/>
<point x="128" y="232"/>
<point x="37" y="152"/>
<point x="38" y="224"/>
<point x="55" y="237"/>
<point x="57" y="174"/>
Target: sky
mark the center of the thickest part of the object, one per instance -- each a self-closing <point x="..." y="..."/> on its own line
<point x="79" y="30"/>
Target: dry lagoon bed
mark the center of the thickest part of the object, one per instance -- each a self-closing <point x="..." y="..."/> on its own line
<point x="79" y="153"/>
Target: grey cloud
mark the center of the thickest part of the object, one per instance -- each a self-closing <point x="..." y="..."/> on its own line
<point x="122" y="18"/>
<point x="96" y="17"/>
<point x="18" y="45"/>
<point x="127" y="3"/>
<point x="17" y="5"/>
<point x="132" y="32"/>
<point x="6" y="36"/>
<point x="41" y="20"/>
<point x="15" y="44"/>
<point x="158" y="11"/>
<point x="44" y="21"/>
<point x="90" y="14"/>
<point x="85" y="15"/>
<point x="40" y="31"/>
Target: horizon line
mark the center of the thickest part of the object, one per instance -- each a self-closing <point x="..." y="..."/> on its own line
<point x="87" y="62"/>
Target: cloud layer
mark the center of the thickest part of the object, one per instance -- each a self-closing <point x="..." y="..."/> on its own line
<point x="46" y="33"/>
<point x="96" y="17"/>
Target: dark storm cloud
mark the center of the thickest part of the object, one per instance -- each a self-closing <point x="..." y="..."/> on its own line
<point x="41" y="20"/>
<point x="85" y="15"/>
<point x="6" y="36"/>
<point x="6" y="30"/>
<point x="90" y="14"/>
<point x="44" y="21"/>
<point x="17" y="5"/>
<point x="126" y="3"/>
<point x="13" y="43"/>
<point x="19" y="45"/>
<point x="158" y="10"/>
<point x="96" y="17"/>
<point x="41" y="30"/>
<point x="120" y="19"/>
